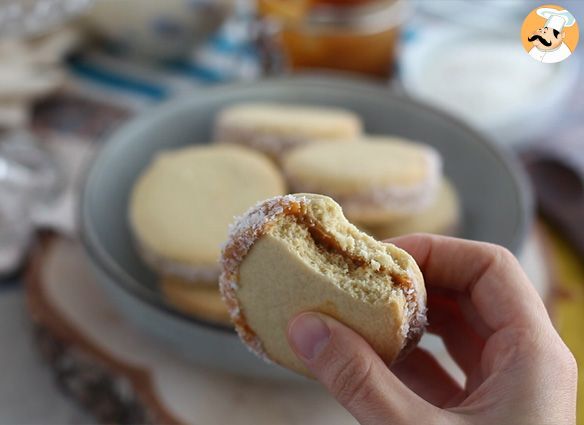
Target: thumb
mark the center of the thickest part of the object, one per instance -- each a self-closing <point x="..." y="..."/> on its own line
<point x="353" y="373"/>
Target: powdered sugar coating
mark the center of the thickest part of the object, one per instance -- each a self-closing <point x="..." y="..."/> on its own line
<point x="196" y="275"/>
<point x="245" y="231"/>
<point x="273" y="145"/>
<point x="415" y="312"/>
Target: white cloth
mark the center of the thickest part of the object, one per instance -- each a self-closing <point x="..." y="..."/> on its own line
<point x="551" y="56"/>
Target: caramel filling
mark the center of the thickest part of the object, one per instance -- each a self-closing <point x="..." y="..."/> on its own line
<point x="327" y="242"/>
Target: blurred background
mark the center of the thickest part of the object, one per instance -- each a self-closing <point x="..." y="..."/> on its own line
<point x="72" y="71"/>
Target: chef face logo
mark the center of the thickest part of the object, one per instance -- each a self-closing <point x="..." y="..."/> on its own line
<point x="549" y="34"/>
<point x="546" y="38"/>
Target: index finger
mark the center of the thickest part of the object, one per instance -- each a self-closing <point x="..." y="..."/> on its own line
<point x="498" y="288"/>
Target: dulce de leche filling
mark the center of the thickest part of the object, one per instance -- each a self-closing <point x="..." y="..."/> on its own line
<point x="325" y="241"/>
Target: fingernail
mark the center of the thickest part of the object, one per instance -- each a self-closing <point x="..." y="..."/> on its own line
<point x="309" y="334"/>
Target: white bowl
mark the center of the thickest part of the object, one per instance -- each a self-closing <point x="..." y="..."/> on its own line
<point x="488" y="80"/>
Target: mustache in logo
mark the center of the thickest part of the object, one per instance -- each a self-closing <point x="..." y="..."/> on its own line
<point x="541" y="40"/>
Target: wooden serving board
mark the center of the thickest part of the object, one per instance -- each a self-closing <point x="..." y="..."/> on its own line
<point x="123" y="376"/>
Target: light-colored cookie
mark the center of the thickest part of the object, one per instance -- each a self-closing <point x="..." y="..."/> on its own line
<point x="274" y="128"/>
<point x="298" y="253"/>
<point x="441" y="217"/>
<point x="375" y="180"/>
<point x="181" y="206"/>
<point x="202" y="302"/>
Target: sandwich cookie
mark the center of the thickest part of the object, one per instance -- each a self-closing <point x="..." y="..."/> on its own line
<point x="298" y="253"/>
<point x="277" y="128"/>
<point x="181" y="206"/>
<point x="441" y="217"/>
<point x="199" y="301"/>
<point x="375" y="180"/>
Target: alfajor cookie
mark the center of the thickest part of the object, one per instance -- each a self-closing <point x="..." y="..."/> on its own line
<point x="440" y="217"/>
<point x="274" y="128"/>
<point x="181" y="206"/>
<point x="298" y="253"/>
<point x="201" y="302"/>
<point x="375" y="180"/>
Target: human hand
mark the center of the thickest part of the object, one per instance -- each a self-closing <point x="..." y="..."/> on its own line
<point x="493" y="324"/>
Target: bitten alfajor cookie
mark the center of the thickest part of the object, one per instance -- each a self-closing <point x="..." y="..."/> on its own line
<point x="375" y="180"/>
<point x="298" y="253"/>
<point x="181" y="206"/>
<point x="274" y="128"/>
<point x="442" y="216"/>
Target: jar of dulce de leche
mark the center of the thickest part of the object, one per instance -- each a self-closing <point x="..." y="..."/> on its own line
<point x="349" y="35"/>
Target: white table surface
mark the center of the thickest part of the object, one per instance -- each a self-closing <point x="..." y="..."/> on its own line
<point x="28" y="393"/>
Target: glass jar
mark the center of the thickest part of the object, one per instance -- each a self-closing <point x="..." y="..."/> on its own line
<point x="356" y="36"/>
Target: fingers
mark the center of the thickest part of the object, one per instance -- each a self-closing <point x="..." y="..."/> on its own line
<point x="354" y="374"/>
<point x="447" y="321"/>
<point x="497" y="285"/>
<point x="472" y="317"/>
<point x="464" y="344"/>
<point x="422" y="373"/>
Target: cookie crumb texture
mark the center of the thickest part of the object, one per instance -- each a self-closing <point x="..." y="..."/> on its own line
<point x="298" y="253"/>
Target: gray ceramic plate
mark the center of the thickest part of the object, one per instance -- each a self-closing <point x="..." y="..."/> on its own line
<point x="496" y="204"/>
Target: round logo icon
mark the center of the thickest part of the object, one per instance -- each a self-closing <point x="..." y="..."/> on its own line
<point x="549" y="33"/>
